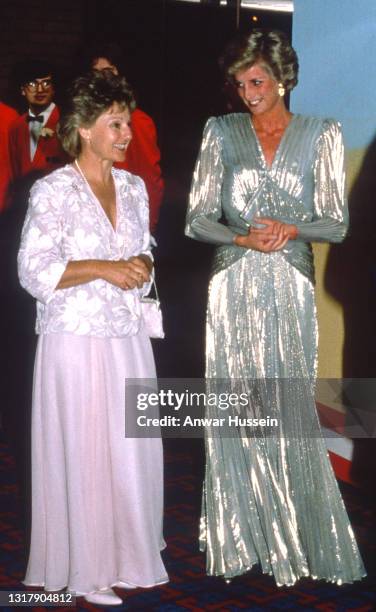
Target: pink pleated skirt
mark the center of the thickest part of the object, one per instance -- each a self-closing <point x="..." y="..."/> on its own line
<point x="97" y="496"/>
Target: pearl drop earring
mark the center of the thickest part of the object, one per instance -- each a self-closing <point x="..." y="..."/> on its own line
<point x="281" y="90"/>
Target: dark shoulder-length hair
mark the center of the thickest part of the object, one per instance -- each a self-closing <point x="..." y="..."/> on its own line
<point x="89" y="97"/>
<point x="271" y="48"/>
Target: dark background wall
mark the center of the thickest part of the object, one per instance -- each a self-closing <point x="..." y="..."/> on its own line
<point x="34" y="28"/>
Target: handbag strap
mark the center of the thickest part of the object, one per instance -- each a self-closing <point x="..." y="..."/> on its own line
<point x="146" y="297"/>
<point x="155" y="289"/>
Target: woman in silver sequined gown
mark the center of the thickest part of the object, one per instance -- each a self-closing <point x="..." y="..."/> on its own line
<point x="265" y="186"/>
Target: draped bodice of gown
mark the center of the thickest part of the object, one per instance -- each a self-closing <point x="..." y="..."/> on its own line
<point x="285" y="188"/>
<point x="304" y="185"/>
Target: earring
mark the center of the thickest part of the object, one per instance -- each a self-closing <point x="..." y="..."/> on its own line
<point x="281" y="90"/>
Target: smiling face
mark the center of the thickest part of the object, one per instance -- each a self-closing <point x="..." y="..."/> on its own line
<point x="108" y="138"/>
<point x="39" y="93"/>
<point x="258" y="89"/>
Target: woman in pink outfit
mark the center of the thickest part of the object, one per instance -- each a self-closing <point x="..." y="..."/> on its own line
<point x="85" y="257"/>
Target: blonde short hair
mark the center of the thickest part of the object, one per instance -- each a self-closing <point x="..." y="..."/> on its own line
<point x="89" y="97"/>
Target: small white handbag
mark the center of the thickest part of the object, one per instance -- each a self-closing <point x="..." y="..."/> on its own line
<point x="152" y="315"/>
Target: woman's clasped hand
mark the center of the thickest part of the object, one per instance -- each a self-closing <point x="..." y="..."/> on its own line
<point x="125" y="273"/>
<point x="272" y="236"/>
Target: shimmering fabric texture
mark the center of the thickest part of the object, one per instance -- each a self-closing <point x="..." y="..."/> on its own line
<point x="270" y="500"/>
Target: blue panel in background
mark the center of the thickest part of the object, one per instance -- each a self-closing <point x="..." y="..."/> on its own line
<point x="336" y="44"/>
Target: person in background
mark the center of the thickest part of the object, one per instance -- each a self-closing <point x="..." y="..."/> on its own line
<point x="97" y="495"/>
<point x="7" y="116"/>
<point x="34" y="147"/>
<point x="143" y="155"/>
<point x="267" y="183"/>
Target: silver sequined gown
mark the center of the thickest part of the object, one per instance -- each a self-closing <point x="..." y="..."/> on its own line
<point x="270" y="499"/>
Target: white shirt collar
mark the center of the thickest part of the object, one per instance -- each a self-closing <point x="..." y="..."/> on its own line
<point x="45" y="114"/>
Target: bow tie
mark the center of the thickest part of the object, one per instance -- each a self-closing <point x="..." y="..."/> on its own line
<point x="38" y="118"/>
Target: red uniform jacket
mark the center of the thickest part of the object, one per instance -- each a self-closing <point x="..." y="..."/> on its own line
<point x="143" y="157"/>
<point x="49" y="154"/>
<point x="7" y="117"/>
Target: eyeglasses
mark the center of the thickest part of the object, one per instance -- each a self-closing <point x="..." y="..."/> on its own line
<point x="43" y="83"/>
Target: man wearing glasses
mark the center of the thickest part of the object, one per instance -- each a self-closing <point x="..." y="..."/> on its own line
<point x="33" y="144"/>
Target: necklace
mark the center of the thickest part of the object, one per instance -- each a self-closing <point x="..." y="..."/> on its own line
<point x="93" y="193"/>
<point x="81" y="172"/>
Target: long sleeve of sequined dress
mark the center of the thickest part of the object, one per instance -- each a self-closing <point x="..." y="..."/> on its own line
<point x="270" y="496"/>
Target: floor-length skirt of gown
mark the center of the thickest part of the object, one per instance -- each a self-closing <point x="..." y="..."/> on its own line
<point x="270" y="499"/>
<point x="97" y="496"/>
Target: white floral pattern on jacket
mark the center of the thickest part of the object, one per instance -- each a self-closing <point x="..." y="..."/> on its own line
<point x="65" y="222"/>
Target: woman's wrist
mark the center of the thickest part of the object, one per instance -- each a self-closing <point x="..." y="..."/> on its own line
<point x="99" y="268"/>
<point x="147" y="260"/>
<point x="78" y="272"/>
<point x="293" y="232"/>
<point x="238" y="240"/>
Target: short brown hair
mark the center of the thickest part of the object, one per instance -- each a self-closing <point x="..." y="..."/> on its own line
<point x="89" y="97"/>
<point x="269" y="47"/>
